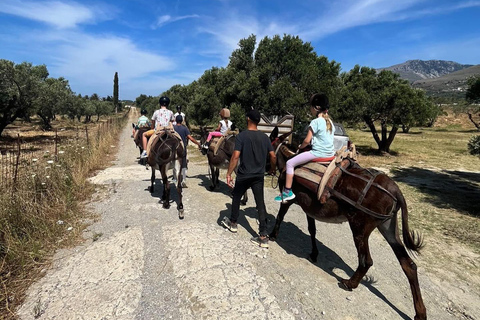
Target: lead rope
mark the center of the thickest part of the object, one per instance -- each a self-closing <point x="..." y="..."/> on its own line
<point x="275" y="175"/>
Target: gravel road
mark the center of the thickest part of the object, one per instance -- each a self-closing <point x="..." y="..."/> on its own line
<point x="139" y="261"/>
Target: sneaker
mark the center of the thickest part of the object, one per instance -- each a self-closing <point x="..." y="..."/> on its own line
<point x="262" y="242"/>
<point x="232" y="226"/>
<point x="285" y="196"/>
<point x="144" y="154"/>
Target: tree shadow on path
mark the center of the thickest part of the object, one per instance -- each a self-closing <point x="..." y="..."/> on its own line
<point x="459" y="190"/>
<point x="295" y="242"/>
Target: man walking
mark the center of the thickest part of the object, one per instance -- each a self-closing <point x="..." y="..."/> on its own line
<point x="251" y="148"/>
<point x="185" y="134"/>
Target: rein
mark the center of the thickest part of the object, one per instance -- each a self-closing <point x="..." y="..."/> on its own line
<point x="276" y="152"/>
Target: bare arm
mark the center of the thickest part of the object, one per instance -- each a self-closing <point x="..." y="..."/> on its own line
<point x="218" y="127"/>
<point x="307" y="139"/>
<point x="273" y="162"/>
<point x="193" y="140"/>
<point x="232" y="166"/>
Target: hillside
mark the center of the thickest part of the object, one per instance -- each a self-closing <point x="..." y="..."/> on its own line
<point x="413" y="70"/>
<point x="451" y="85"/>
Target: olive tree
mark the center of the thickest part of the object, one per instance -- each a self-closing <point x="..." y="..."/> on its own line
<point x="20" y="86"/>
<point x="382" y="99"/>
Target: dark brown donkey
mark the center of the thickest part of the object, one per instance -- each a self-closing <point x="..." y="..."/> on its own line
<point x="163" y="153"/>
<point x="138" y="137"/>
<point x="378" y="209"/>
<point x="221" y="160"/>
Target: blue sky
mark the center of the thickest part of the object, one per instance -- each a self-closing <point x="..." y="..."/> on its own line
<point x="156" y="44"/>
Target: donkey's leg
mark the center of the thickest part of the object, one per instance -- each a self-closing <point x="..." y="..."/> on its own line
<point x="389" y="230"/>
<point x="152" y="180"/>
<point x="244" y="200"/>
<point x="281" y="214"/>
<point x="179" y="188"/>
<point x="213" y="172"/>
<point x="166" y="187"/>
<point x="361" y="229"/>
<point x="217" y="176"/>
<point x="312" y="229"/>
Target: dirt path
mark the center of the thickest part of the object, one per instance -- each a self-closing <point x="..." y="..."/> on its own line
<point x="141" y="262"/>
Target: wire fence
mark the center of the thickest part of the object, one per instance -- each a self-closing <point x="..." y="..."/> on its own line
<point x="23" y="157"/>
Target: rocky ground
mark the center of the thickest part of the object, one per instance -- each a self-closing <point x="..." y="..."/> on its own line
<point x="140" y="261"/>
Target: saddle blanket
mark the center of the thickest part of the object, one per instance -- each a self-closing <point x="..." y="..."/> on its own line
<point x="316" y="176"/>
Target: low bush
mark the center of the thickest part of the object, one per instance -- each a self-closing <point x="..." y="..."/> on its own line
<point x="474" y="145"/>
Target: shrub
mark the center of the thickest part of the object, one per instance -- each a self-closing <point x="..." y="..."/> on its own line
<point x="474" y="145"/>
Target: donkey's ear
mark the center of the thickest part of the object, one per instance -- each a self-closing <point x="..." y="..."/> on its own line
<point x="274" y="134"/>
<point x="285" y="136"/>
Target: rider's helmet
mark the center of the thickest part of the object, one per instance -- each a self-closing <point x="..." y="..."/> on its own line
<point x="164" y="101"/>
<point x="319" y="101"/>
<point x="179" y="108"/>
<point x="143" y="112"/>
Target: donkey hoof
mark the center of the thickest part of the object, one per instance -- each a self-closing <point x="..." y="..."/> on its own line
<point x="343" y="284"/>
<point x="180" y="214"/>
<point x="211" y="188"/>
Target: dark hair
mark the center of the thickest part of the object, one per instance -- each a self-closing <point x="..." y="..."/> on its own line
<point x="254" y="115"/>
<point x="144" y="111"/>
<point x="179" y="108"/>
<point x="179" y="119"/>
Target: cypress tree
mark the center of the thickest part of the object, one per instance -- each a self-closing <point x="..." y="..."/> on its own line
<point x="115" y="92"/>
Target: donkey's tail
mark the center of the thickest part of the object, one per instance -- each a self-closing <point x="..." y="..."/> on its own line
<point x="412" y="239"/>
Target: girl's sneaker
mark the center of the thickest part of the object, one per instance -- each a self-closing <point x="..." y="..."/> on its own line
<point x="285" y="196"/>
<point x="144" y="154"/>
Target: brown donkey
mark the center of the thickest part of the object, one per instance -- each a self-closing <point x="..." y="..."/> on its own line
<point x="163" y="153"/>
<point x="378" y="209"/>
<point x="221" y="160"/>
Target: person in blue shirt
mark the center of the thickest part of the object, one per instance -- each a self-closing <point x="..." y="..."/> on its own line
<point x="185" y="134"/>
<point x="320" y="136"/>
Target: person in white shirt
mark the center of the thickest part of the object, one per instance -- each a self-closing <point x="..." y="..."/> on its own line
<point x="161" y="118"/>
<point x="223" y="126"/>
<point x="179" y="113"/>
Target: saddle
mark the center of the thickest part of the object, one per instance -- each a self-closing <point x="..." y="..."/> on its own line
<point x="159" y="133"/>
<point x="218" y="142"/>
<point x="321" y="177"/>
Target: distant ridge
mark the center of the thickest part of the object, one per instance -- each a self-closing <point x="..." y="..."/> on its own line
<point x="451" y="85"/>
<point x="413" y="70"/>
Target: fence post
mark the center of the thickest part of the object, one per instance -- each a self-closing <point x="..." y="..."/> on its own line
<point x="16" y="163"/>
<point x="86" y="134"/>
<point x="56" y="147"/>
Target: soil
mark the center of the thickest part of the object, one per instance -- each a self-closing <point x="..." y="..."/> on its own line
<point x="140" y="261"/>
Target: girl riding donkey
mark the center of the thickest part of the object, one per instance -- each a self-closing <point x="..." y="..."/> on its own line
<point x="320" y="136"/>
<point x="223" y="126"/>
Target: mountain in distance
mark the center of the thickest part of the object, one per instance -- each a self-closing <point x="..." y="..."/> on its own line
<point x="451" y="85"/>
<point x="414" y="70"/>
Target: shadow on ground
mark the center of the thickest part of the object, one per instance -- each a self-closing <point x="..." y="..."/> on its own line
<point x="295" y="242"/>
<point x="459" y="190"/>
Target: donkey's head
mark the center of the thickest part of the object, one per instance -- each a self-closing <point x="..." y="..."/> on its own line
<point x="278" y="146"/>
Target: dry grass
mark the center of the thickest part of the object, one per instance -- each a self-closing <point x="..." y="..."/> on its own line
<point x="44" y="210"/>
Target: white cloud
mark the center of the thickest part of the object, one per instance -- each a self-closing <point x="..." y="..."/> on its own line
<point x="61" y="15"/>
<point x="163" y="20"/>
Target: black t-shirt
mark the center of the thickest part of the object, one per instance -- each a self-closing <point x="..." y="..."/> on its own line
<point x="183" y="132"/>
<point x="254" y="147"/>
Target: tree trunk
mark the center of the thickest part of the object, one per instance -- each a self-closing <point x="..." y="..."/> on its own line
<point x="46" y="121"/>
<point x="477" y="125"/>
<point x="373" y="130"/>
<point x="405" y="129"/>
